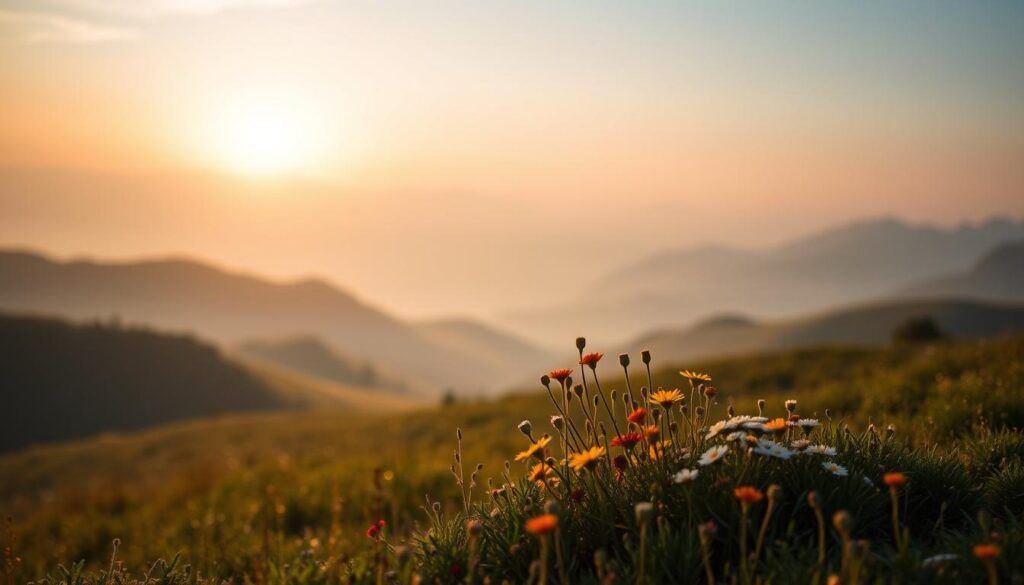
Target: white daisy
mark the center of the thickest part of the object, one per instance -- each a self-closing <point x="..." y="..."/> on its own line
<point x="713" y="454"/>
<point x="735" y="436"/>
<point x="772" y="449"/>
<point x="936" y="560"/>
<point x="685" y="476"/>
<point x="835" y="469"/>
<point x="800" y="444"/>
<point x="821" y="450"/>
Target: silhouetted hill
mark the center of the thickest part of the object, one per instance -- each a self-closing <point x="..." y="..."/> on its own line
<point x="63" y="381"/>
<point x="860" y="325"/>
<point x="310" y="356"/>
<point x="997" y="276"/>
<point x="851" y="263"/>
<point x="185" y="295"/>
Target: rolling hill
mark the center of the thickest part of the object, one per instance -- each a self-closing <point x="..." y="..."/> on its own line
<point x="226" y="307"/>
<point x="63" y="381"/>
<point x="997" y="276"/>
<point x="312" y="357"/>
<point x="848" y="264"/>
<point x="870" y="324"/>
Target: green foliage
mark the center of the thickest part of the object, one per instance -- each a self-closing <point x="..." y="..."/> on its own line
<point x="287" y="497"/>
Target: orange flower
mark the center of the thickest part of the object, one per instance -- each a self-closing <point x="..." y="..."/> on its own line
<point x="591" y="359"/>
<point x="542" y="524"/>
<point x="987" y="552"/>
<point x="637" y="416"/>
<point x="535" y="449"/>
<point x="658" y="449"/>
<point x="560" y="374"/>
<point x="774" y="425"/>
<point x="894" y="479"/>
<point x="748" y="494"/>
<point x="651" y="431"/>
<point x="627" y="440"/>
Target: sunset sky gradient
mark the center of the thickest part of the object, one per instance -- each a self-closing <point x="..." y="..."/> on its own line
<point x="442" y="157"/>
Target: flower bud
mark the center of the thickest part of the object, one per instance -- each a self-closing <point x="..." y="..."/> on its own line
<point x="644" y="512"/>
<point x="624" y="360"/>
<point x="645" y="355"/>
<point x="581" y="342"/>
<point x="791" y="406"/>
<point x="545" y="380"/>
<point x="526" y="428"/>
<point x="760" y="407"/>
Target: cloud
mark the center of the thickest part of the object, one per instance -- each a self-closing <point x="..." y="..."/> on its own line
<point x="38" y="27"/>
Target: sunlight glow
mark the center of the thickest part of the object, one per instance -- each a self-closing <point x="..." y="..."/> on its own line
<point x="265" y="138"/>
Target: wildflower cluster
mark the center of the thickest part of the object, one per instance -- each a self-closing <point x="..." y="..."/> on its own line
<point x="648" y="485"/>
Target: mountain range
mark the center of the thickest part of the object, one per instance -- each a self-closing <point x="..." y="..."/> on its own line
<point x="852" y="263"/>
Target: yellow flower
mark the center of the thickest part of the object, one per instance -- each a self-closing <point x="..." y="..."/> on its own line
<point x="586" y="459"/>
<point x="540" y="471"/>
<point x="695" y="376"/>
<point x="667" y="398"/>
<point x="658" y="449"/>
<point x="535" y="449"/>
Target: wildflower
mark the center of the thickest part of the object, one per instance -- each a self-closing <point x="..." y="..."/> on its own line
<point x="586" y="459"/>
<point x="525" y="427"/>
<point x="772" y="449"/>
<point x="591" y="359"/>
<point x="713" y="454"/>
<point x="644" y="511"/>
<point x="651" y="431"/>
<point x="627" y="440"/>
<point x="807" y="424"/>
<point x="748" y="494"/>
<point x="685" y="476"/>
<point x="535" y="449"/>
<point x="694" y="376"/>
<point x="894" y="479"/>
<point x="375" y="529"/>
<point x="666" y="398"/>
<point x="637" y="416"/>
<point x="939" y="559"/>
<point x="987" y="552"/>
<point x="645" y="356"/>
<point x="791" y="406"/>
<point x="774" y="425"/>
<point x="657" y="450"/>
<point x="821" y="450"/>
<point x="542" y="524"/>
<point x="733" y="423"/>
<point x="834" y="469"/>
<point x="735" y="436"/>
<point x="540" y="472"/>
<point x="624" y="360"/>
<point x="711" y="391"/>
<point x="557" y="421"/>
<point x="800" y="444"/>
<point x="560" y="374"/>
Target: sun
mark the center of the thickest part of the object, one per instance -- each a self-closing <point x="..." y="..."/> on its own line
<point x="264" y="138"/>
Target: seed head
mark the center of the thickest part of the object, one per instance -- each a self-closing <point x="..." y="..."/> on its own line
<point x="645" y="355"/>
<point x="526" y="428"/>
<point x="624" y="360"/>
<point x="581" y="342"/>
<point x="545" y="380"/>
<point x="791" y="406"/>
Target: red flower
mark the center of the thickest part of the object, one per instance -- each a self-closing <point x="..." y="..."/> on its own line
<point x="637" y="416"/>
<point x="894" y="479"/>
<point x="591" y="359"/>
<point x="710" y="391"/>
<point x="627" y="440"/>
<point x="560" y="374"/>
<point x="794" y="418"/>
<point x="371" y="531"/>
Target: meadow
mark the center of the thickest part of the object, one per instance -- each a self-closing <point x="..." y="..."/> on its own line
<point x="900" y="464"/>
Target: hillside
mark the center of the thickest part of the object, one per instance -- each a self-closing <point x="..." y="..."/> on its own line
<point x="99" y="489"/>
<point x="185" y="295"/>
<point x="312" y="357"/>
<point x="996" y="276"/>
<point x="847" y="264"/>
<point x="63" y="381"/>
<point x="870" y="324"/>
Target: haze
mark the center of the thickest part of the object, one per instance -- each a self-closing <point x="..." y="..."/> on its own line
<point x="466" y="157"/>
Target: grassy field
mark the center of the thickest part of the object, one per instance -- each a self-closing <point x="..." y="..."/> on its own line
<point x="288" y="497"/>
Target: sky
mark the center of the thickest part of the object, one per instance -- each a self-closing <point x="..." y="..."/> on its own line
<point x="466" y="157"/>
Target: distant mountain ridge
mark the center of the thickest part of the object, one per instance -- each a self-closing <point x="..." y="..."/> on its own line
<point x="227" y="307"/>
<point x="996" y="276"/>
<point x="851" y="263"/>
<point x="867" y="324"/>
